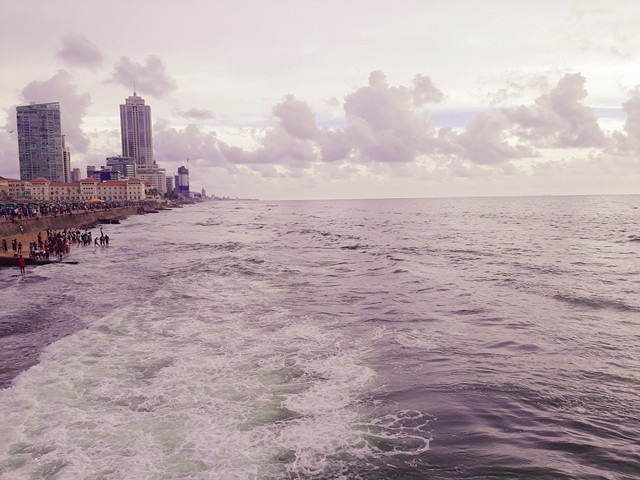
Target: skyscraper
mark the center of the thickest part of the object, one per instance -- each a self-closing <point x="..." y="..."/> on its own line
<point x="66" y="162"/>
<point x="183" y="181"/>
<point x="40" y="148"/>
<point x="135" y="127"/>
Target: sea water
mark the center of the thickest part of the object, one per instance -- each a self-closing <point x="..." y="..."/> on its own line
<point x="371" y="339"/>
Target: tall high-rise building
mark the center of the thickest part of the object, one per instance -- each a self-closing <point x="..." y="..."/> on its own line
<point x="66" y="162"/>
<point x="183" y="181"/>
<point x="75" y="175"/>
<point x="135" y="128"/>
<point x="40" y="149"/>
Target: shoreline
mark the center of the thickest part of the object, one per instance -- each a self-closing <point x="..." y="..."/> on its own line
<point x="79" y="221"/>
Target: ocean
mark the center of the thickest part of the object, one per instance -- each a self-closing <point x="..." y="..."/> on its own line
<point x="458" y="338"/>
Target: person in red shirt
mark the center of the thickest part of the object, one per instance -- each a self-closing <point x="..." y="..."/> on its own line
<point x="21" y="265"/>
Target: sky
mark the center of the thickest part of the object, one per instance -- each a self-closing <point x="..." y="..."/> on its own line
<point x="314" y="99"/>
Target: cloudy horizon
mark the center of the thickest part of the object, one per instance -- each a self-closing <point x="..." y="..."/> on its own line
<point x="305" y="100"/>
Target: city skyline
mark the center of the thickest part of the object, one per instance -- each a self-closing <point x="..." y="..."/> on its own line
<point x="420" y="99"/>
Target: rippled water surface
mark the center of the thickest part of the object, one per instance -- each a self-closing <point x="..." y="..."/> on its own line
<point x="372" y="339"/>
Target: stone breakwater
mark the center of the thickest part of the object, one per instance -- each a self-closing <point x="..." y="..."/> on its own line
<point x="61" y="222"/>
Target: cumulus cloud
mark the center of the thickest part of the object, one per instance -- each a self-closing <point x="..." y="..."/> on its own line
<point x="73" y="106"/>
<point x="172" y="145"/>
<point x="150" y="78"/>
<point x="387" y="128"/>
<point x="196" y="113"/>
<point x="424" y="91"/>
<point x="79" y="51"/>
<point x="485" y="140"/>
<point x="630" y="141"/>
<point x="382" y="123"/>
<point x="278" y="147"/>
<point x="559" y="119"/>
<point x="296" y="118"/>
<point x="515" y="85"/>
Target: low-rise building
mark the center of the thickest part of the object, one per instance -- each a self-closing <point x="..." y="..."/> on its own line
<point x="42" y="189"/>
<point x="154" y="175"/>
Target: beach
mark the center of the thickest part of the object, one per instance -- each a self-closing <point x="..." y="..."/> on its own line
<point x="32" y="226"/>
<point x="25" y="238"/>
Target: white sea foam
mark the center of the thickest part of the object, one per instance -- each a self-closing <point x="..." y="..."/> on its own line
<point x="238" y="386"/>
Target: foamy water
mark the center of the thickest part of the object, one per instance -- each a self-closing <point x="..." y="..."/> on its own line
<point x="372" y="339"/>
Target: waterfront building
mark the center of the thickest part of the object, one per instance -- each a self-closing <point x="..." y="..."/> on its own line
<point x="125" y="165"/>
<point x="183" y="182"/>
<point x="113" y="190"/>
<point x="40" y="143"/>
<point x="4" y="188"/>
<point x="135" y="128"/>
<point x="42" y="189"/>
<point x="154" y="175"/>
<point x="19" y="189"/>
<point x="170" y="184"/>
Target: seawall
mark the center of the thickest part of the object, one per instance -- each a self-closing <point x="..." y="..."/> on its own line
<point x="63" y="221"/>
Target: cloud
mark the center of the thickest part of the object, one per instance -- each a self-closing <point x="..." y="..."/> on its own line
<point x="387" y="131"/>
<point x="278" y="147"/>
<point x="424" y="91"/>
<point x="149" y="78"/>
<point x="296" y="118"/>
<point x="630" y="141"/>
<point x="559" y="119"/>
<point x="335" y="146"/>
<point x="485" y="140"/>
<point x="382" y="125"/>
<point x="515" y="85"/>
<point x="196" y="113"/>
<point x="78" y="51"/>
<point x="175" y="146"/>
<point x="73" y="106"/>
<point x="9" y="165"/>
<point x="282" y="148"/>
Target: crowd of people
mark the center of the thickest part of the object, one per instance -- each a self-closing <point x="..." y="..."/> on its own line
<point x="55" y="243"/>
<point x="16" y="212"/>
